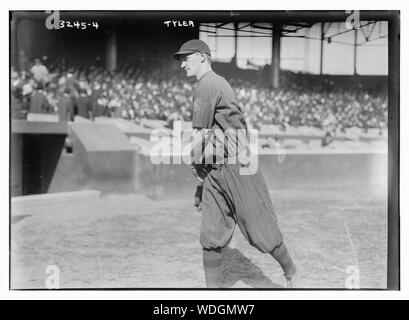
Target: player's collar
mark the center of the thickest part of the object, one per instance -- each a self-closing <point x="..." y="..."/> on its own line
<point x="204" y="74"/>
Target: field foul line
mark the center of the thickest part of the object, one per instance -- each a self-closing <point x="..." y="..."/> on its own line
<point x="351" y="243"/>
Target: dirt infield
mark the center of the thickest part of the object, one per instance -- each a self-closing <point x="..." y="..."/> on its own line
<point x="131" y="241"/>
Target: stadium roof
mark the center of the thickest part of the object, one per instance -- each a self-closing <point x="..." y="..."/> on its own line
<point x="289" y="30"/>
<point x="293" y="18"/>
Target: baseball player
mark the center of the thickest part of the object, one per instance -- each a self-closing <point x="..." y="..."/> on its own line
<point x="224" y="195"/>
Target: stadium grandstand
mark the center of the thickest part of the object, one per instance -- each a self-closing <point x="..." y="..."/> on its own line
<point x="136" y="86"/>
<point x="102" y="67"/>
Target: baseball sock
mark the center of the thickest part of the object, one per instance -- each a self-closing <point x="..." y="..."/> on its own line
<point x="280" y="253"/>
<point x="212" y="260"/>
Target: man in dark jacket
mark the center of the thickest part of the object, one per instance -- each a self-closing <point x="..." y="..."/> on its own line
<point x="84" y="105"/>
<point x="65" y="106"/>
<point x="39" y="102"/>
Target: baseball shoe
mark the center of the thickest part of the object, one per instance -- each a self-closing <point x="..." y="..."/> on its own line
<point x="291" y="278"/>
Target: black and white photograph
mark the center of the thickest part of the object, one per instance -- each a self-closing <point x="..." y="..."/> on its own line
<point x="204" y="150"/>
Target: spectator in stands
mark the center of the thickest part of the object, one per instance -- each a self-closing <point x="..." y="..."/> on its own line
<point x="83" y="105"/>
<point x="16" y="104"/>
<point x="39" y="102"/>
<point x="65" y="106"/>
<point x="71" y="83"/>
<point x="140" y="90"/>
<point x="96" y="92"/>
<point x="39" y="72"/>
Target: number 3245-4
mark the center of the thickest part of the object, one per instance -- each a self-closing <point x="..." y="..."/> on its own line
<point x="78" y="25"/>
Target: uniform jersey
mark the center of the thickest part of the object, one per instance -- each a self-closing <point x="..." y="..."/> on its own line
<point x="216" y="108"/>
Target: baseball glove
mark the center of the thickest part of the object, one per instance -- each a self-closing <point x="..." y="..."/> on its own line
<point x="200" y="171"/>
<point x="198" y="196"/>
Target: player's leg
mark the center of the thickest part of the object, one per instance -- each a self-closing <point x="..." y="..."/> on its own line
<point x="217" y="229"/>
<point x="212" y="261"/>
<point x="253" y="209"/>
<point x="281" y="254"/>
<point x="255" y="216"/>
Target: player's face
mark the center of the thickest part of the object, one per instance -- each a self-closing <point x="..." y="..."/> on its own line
<point x="191" y="64"/>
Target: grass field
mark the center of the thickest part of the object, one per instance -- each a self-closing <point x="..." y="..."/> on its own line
<point x="131" y="241"/>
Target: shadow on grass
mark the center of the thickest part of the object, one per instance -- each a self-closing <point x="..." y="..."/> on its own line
<point x="16" y="219"/>
<point x="236" y="267"/>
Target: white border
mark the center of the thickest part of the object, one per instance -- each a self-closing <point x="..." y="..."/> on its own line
<point x="203" y="5"/>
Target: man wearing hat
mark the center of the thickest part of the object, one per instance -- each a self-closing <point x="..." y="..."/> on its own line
<point x="224" y="195"/>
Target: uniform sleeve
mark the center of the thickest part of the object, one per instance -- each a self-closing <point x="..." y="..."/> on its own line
<point x="204" y="106"/>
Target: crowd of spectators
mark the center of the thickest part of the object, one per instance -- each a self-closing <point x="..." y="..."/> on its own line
<point x="313" y="106"/>
<point x="158" y="90"/>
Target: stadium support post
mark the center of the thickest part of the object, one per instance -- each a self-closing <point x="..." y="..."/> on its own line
<point x="322" y="48"/>
<point x="14" y="43"/>
<point x="355" y="47"/>
<point x="111" y="51"/>
<point x="236" y="26"/>
<point x="275" y="59"/>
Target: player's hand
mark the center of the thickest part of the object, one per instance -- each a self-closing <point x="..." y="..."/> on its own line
<point x="198" y="197"/>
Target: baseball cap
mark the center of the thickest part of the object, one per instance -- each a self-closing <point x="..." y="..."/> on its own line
<point x="192" y="46"/>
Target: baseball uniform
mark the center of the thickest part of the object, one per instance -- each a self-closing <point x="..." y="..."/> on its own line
<point x="229" y="197"/>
